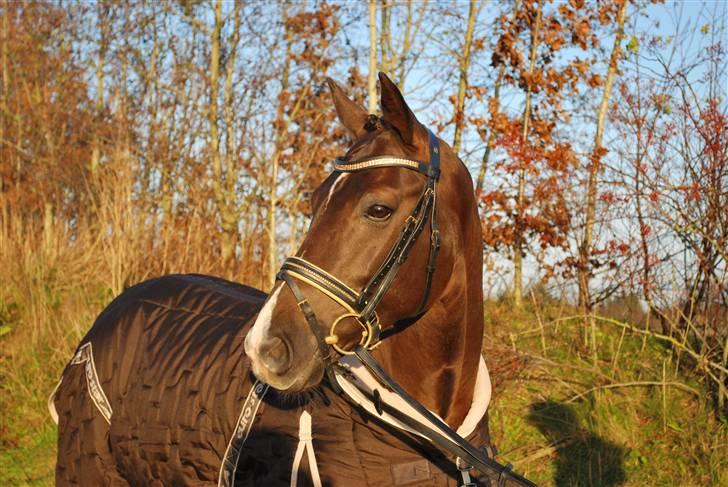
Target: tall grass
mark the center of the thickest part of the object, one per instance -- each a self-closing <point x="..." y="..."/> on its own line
<point x="56" y="275"/>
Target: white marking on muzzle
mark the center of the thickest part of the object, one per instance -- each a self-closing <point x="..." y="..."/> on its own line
<point x="260" y="328"/>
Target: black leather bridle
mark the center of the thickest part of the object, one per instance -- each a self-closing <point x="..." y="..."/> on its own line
<point x="361" y="306"/>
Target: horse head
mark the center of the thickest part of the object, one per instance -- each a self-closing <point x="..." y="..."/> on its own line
<point x="358" y="219"/>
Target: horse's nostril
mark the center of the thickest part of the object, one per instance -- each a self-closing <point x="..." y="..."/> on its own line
<point x="275" y="356"/>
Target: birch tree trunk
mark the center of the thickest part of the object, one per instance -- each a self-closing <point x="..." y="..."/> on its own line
<point x="585" y="299"/>
<point x="385" y="47"/>
<point x="584" y="269"/>
<point x="519" y="243"/>
<point x="372" y="81"/>
<point x="231" y="216"/>
<point x="463" y="84"/>
<point x="228" y="236"/>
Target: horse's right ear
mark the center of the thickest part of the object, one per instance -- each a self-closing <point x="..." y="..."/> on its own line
<point x="351" y="115"/>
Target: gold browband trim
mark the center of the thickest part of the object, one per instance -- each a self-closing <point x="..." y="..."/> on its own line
<point x="379" y="162"/>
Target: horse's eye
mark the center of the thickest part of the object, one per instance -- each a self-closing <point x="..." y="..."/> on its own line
<point x="378" y="213"/>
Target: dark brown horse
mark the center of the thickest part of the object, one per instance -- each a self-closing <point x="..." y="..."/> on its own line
<point x="160" y="391"/>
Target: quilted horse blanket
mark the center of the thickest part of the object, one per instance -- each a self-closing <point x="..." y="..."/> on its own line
<point x="159" y="393"/>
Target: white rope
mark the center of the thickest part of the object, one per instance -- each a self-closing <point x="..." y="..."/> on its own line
<point x="305" y="442"/>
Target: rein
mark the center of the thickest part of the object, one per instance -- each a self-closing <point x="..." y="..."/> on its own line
<point x="361" y="307"/>
<point x="440" y="433"/>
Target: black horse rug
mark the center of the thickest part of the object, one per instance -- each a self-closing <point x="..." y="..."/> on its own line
<point x="161" y="393"/>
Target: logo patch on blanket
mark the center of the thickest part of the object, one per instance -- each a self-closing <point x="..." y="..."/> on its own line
<point x="408" y="473"/>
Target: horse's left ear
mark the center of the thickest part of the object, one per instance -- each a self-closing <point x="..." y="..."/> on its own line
<point x="351" y="115"/>
<point x="396" y="111"/>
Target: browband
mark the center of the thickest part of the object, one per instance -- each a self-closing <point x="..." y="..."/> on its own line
<point x="431" y="169"/>
<point x="343" y="165"/>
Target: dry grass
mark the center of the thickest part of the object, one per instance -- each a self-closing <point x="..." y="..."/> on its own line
<point x="54" y="280"/>
<point x="637" y="417"/>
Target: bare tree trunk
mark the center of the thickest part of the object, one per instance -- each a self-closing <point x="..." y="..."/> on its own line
<point x="231" y="216"/>
<point x="281" y="127"/>
<point x="412" y="27"/>
<point x="584" y="269"/>
<point x="393" y="59"/>
<point x="228" y="238"/>
<point x="519" y="243"/>
<point x="591" y="189"/>
<point x="165" y="196"/>
<point x="102" y="12"/>
<point x="491" y="136"/>
<point x="372" y="85"/>
<point x="6" y="83"/>
<point x="463" y="84"/>
<point x="384" y="38"/>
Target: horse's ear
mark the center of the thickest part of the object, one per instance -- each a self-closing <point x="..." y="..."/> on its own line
<point x="351" y="115"/>
<point x="398" y="114"/>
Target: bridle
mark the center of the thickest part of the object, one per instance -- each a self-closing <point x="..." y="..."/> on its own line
<point x="361" y="306"/>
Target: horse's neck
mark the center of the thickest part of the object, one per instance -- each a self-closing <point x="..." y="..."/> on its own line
<point x="436" y="359"/>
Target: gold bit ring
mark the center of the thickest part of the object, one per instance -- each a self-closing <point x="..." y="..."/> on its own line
<point x="333" y="339"/>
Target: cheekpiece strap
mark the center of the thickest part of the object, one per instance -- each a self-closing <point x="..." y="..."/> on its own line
<point x="434" y="166"/>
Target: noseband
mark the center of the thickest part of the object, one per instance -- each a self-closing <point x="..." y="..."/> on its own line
<point x="362" y="306"/>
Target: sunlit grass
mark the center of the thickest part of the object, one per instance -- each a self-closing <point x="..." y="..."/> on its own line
<point x="565" y="421"/>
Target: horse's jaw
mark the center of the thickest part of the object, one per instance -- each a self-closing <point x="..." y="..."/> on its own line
<point x="299" y="383"/>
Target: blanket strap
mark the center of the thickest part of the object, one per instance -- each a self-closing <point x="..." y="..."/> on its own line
<point x="305" y="442"/>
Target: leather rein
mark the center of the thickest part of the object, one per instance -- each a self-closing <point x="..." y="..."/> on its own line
<point x="361" y="307"/>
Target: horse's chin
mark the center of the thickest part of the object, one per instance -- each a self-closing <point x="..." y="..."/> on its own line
<point x="305" y="380"/>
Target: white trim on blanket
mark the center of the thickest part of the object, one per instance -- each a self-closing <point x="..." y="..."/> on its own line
<point x="85" y="356"/>
<point x="226" y="477"/>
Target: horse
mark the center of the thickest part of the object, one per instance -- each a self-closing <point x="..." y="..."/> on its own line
<point x="196" y="380"/>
